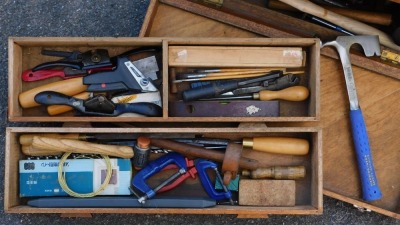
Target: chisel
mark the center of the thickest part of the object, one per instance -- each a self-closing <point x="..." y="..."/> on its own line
<point x="295" y="93"/>
<point x="278" y="145"/>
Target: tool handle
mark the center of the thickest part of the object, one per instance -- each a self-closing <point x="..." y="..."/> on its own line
<point x="68" y="87"/>
<point x="26" y="139"/>
<point x="278" y="145"/>
<point x="29" y="75"/>
<point x="75" y="146"/>
<point x="277" y="172"/>
<point x="53" y="98"/>
<point x="54" y="110"/>
<point x="295" y="93"/>
<point x="369" y="183"/>
<point x="208" y="91"/>
<point x="345" y="22"/>
<point x="29" y="150"/>
<point x="143" y="108"/>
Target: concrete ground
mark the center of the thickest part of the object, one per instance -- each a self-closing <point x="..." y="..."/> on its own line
<point x="118" y="19"/>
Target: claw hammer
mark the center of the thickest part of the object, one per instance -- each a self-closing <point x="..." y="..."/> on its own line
<point x="370" y="44"/>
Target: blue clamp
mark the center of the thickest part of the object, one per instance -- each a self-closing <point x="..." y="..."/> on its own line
<point x="139" y="180"/>
<point x="202" y="166"/>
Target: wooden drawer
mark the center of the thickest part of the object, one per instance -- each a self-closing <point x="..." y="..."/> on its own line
<point x="24" y="53"/>
<point x="308" y="190"/>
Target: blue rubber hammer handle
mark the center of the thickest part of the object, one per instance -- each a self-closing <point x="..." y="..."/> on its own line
<point x="369" y="183"/>
<point x="202" y="166"/>
<point x="139" y="180"/>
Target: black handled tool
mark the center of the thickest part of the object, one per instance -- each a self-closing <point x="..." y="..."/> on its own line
<point x="81" y="61"/>
<point x="122" y="202"/>
<point x="98" y="105"/>
<point x="219" y="87"/>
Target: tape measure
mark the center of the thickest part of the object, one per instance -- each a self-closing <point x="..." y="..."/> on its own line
<point x="390" y="56"/>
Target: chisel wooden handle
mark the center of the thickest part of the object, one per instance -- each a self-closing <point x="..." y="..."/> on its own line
<point x="75" y="146"/>
<point x="295" y="93"/>
<point x="68" y="87"/>
<point x="279" y="145"/>
<point x="342" y="21"/>
<point x="54" y="110"/>
<point x="26" y="139"/>
<point x="277" y="172"/>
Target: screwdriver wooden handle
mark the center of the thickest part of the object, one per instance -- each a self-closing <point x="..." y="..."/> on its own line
<point x="295" y="93"/>
<point x="277" y="172"/>
<point x="68" y="87"/>
<point x="279" y="145"/>
<point x="26" y="139"/>
<point x="54" y="110"/>
<point x="75" y="146"/>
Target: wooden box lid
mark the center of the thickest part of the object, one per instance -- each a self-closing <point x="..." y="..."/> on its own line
<point x="378" y="96"/>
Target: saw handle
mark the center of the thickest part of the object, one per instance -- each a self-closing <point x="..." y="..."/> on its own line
<point x="295" y="93"/>
<point x="369" y="183"/>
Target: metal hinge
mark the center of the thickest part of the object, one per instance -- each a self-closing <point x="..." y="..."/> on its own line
<point x="361" y="209"/>
<point x="214" y="2"/>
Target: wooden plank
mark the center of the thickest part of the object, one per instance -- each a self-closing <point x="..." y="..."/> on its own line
<point x="267" y="192"/>
<point x="225" y="56"/>
<point x="149" y="18"/>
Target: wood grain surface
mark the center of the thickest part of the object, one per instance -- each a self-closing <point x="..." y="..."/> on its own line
<point x="378" y="96"/>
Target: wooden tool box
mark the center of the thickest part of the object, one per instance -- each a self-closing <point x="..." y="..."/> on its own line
<point x="25" y="54"/>
<point x="308" y="190"/>
<point x="378" y="96"/>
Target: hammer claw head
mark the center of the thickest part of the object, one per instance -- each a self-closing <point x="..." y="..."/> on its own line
<point x="369" y="43"/>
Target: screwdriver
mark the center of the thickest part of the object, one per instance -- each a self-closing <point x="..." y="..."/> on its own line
<point x="295" y="93"/>
<point x="219" y="87"/>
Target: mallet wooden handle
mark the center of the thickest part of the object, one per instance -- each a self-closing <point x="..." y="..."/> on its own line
<point x="29" y="150"/>
<point x="360" y="15"/>
<point x="277" y="172"/>
<point x="345" y="22"/>
<point x="68" y="87"/>
<point x="75" y="146"/>
<point x="295" y="93"/>
<point x="26" y="139"/>
<point x="278" y="145"/>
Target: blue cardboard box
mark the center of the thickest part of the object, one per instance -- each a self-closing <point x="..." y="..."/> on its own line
<point x="39" y="177"/>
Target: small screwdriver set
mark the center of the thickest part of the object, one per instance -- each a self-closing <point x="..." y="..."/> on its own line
<point x="166" y="169"/>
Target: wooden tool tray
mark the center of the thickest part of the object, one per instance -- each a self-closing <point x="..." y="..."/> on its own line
<point x="24" y="54"/>
<point x="378" y="94"/>
<point x="308" y="190"/>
